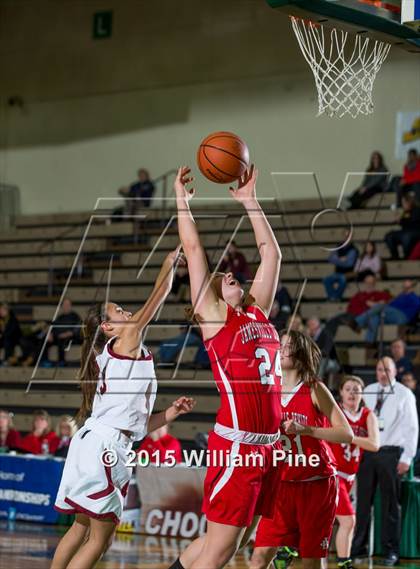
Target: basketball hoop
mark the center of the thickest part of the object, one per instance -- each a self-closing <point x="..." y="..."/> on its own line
<point x="344" y="74"/>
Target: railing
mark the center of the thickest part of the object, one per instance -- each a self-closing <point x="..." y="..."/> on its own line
<point x="51" y="255"/>
<point x="163" y="178"/>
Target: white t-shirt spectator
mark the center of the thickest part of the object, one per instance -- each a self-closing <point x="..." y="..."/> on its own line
<point x="367" y="263"/>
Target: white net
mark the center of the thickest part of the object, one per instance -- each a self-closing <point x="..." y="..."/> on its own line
<point x="344" y="73"/>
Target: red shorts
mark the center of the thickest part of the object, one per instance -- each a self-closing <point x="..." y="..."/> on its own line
<point x="304" y="518"/>
<point x="234" y="494"/>
<point x="345" y="506"/>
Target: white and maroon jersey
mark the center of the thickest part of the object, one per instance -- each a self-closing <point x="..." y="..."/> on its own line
<point x="245" y="359"/>
<point x="348" y="456"/>
<point x="297" y="405"/>
<point x="126" y="390"/>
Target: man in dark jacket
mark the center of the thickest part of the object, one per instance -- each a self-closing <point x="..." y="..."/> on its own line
<point x="66" y="329"/>
<point x="10" y="332"/>
<point x="409" y="234"/>
<point x="344" y="259"/>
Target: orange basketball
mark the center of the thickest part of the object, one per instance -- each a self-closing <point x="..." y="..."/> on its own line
<point x="223" y="157"/>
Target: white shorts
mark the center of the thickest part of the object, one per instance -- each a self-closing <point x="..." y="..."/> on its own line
<point x="87" y="485"/>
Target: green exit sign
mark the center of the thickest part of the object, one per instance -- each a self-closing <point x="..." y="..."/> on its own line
<point x="102" y="25"/>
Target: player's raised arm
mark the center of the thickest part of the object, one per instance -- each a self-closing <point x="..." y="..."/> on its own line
<point x="204" y="299"/>
<point x="161" y="289"/>
<point x="264" y="287"/>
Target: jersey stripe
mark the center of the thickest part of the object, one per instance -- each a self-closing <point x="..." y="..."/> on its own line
<point x="234" y="452"/>
<point x="229" y="394"/>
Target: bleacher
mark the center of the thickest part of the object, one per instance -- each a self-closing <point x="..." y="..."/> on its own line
<point x="47" y="254"/>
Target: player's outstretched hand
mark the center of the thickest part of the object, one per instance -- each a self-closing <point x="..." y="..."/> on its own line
<point x="293" y="428"/>
<point x="177" y="257"/>
<point x="246" y="186"/>
<point x="183" y="178"/>
<point x="184" y="405"/>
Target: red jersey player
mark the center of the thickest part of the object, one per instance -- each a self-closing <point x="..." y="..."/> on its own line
<point x="347" y="456"/>
<point x="244" y="352"/>
<point x="306" y="503"/>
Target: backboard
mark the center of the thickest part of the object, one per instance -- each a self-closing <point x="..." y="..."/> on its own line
<point x="392" y="21"/>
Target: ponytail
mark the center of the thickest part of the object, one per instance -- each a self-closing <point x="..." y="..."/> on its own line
<point x="94" y="341"/>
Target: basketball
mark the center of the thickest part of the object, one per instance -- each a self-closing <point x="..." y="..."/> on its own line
<point x="223" y="157"/>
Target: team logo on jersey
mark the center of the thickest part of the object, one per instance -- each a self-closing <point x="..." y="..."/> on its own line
<point x="325" y="543"/>
<point x="298" y="417"/>
<point x="257" y="330"/>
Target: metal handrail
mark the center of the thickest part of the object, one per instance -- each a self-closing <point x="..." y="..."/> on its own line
<point x="52" y="240"/>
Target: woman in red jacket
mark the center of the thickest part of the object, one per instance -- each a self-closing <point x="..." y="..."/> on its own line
<point x="42" y="440"/>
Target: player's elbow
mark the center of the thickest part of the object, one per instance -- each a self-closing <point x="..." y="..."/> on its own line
<point x="348" y="435"/>
<point x="374" y="447"/>
<point x="271" y="252"/>
<point x="278" y="255"/>
<point x="190" y="246"/>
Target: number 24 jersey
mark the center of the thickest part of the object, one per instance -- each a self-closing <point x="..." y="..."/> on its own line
<point x="245" y="360"/>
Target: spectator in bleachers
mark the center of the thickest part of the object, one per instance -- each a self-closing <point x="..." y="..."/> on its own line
<point x="234" y="262"/>
<point x="325" y="342"/>
<point x="66" y="330"/>
<point x="32" y="341"/>
<point x="402" y="362"/>
<point x="170" y="349"/>
<point x="285" y="301"/>
<point x="358" y="304"/>
<point x="410" y="181"/>
<point x="415" y="253"/>
<point x="401" y="310"/>
<point x="180" y="283"/>
<point x="66" y="428"/>
<point x="295" y="323"/>
<point x="9" y="437"/>
<point x="161" y="446"/>
<point x="10" y="334"/>
<point x="139" y="195"/>
<point x="344" y="260"/>
<point x="368" y="297"/>
<point x="41" y="440"/>
<point x="409" y="235"/>
<point x="374" y="182"/>
<point x="369" y="263"/>
<point x="277" y="317"/>
<point x="395" y="407"/>
<point x="140" y="191"/>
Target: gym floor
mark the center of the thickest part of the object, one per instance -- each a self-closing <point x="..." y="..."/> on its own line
<point x="30" y="545"/>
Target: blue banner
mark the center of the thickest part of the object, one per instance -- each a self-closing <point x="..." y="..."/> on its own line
<point x="28" y="487"/>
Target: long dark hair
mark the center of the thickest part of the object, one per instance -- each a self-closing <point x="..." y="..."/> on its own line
<point x="94" y="340"/>
<point x="305" y="354"/>
<point x="371" y="167"/>
<point x="365" y="253"/>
